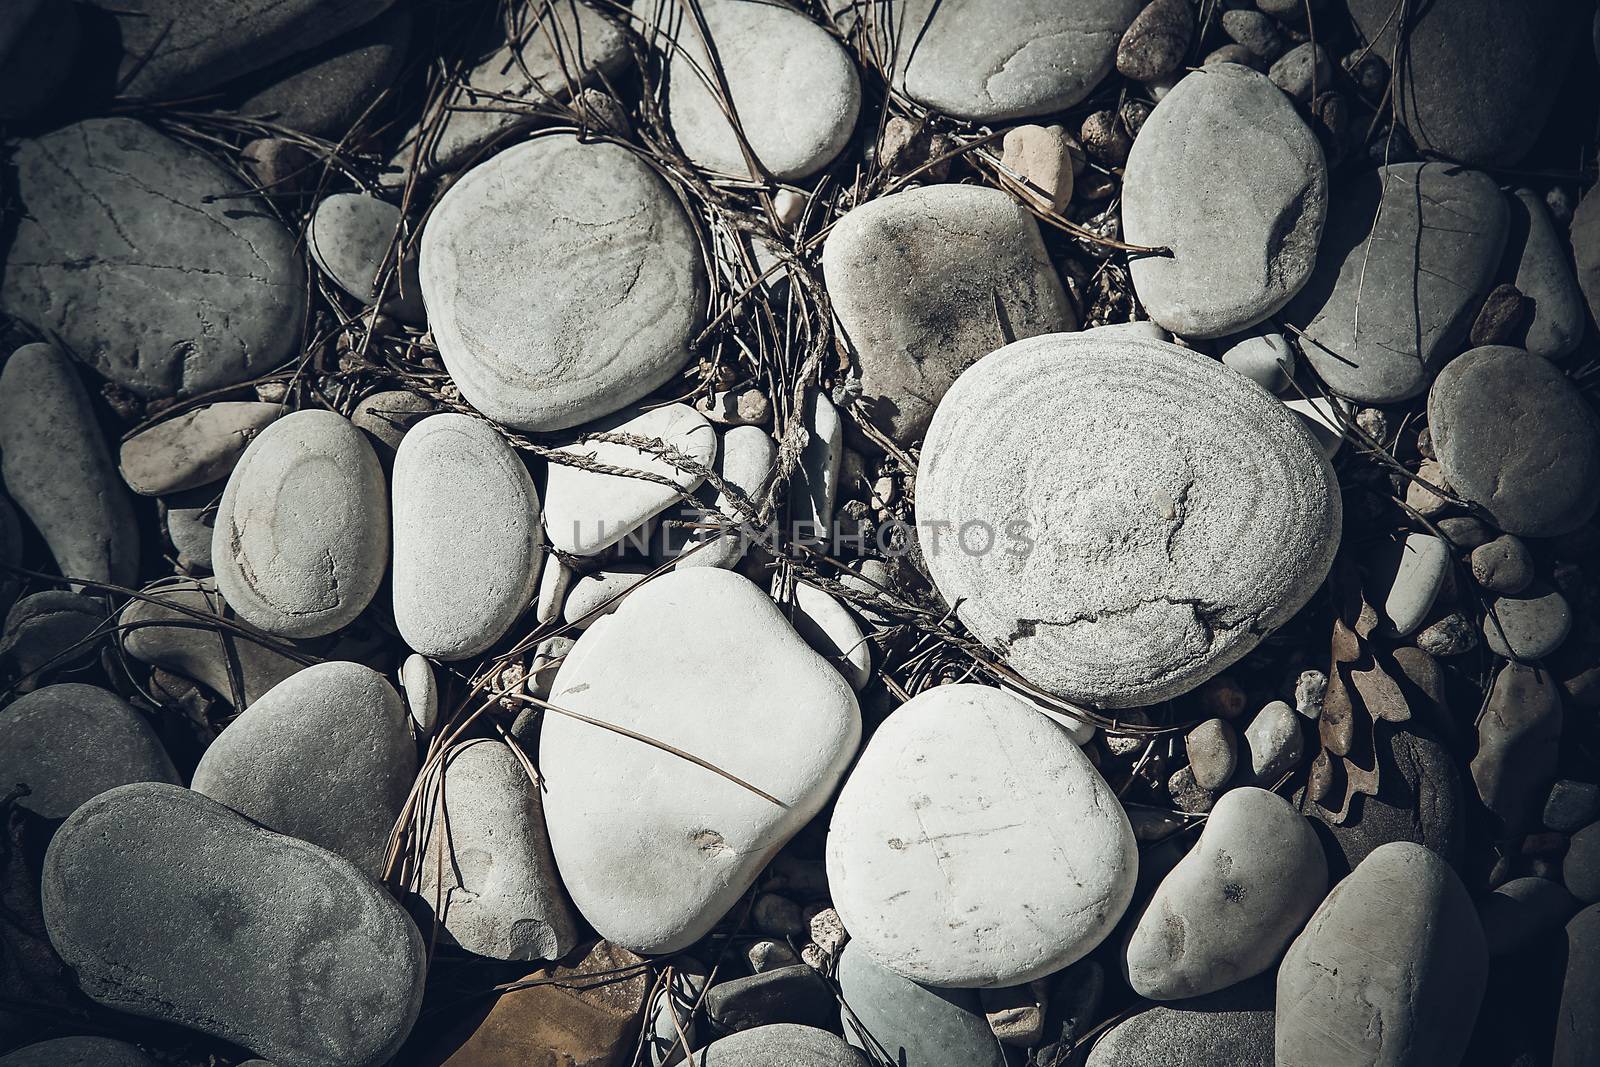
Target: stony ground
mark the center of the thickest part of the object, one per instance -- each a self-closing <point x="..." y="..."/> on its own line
<point x="799" y="533"/>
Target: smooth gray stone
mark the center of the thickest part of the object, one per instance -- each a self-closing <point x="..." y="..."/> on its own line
<point x="1484" y="106"/>
<point x="914" y="278"/>
<point x="814" y="485"/>
<point x="780" y="1045"/>
<point x="794" y="87"/>
<point x="1408" y="251"/>
<point x="1232" y="905"/>
<point x="1213" y="751"/>
<point x="50" y="631"/>
<point x="1503" y="565"/>
<point x="588" y="598"/>
<point x="1272" y="744"/>
<point x="1231" y="1027"/>
<point x="744" y="461"/>
<point x="499" y="894"/>
<point x="78" y="1052"/>
<point x="10" y="553"/>
<point x="1407" y="578"/>
<point x="350" y="235"/>
<point x="1121" y="584"/>
<point x="1226" y="174"/>
<point x="912" y="1023"/>
<point x="120" y="283"/>
<point x="58" y="471"/>
<point x="387" y="416"/>
<point x="421" y="691"/>
<point x="38" y="42"/>
<point x="1571" y="805"/>
<point x="164" y="637"/>
<point x="302" y="534"/>
<point x="1578" y="1019"/>
<point x="70" y="742"/>
<point x="467" y="539"/>
<point x="1527" y="627"/>
<point x="1263" y="356"/>
<point x="1585" y="237"/>
<point x="191" y="520"/>
<point x="196" y="448"/>
<point x="1521" y="911"/>
<point x="175" y="48"/>
<point x="338" y="725"/>
<point x="1580" y="868"/>
<point x="977" y="60"/>
<point x="792" y="994"/>
<point x="1514" y="435"/>
<point x="563" y="282"/>
<point x="169" y="906"/>
<point x="1388" y="972"/>
<point x="324" y="92"/>
<point x="1543" y="273"/>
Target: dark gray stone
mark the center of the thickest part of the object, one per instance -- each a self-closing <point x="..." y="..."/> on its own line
<point x="912" y="1023"/>
<point x="50" y="631"/>
<point x="1578" y="1023"/>
<point x="149" y="262"/>
<point x="1539" y="263"/>
<point x="325" y="91"/>
<point x="170" y="906"/>
<point x="78" y="1052"/>
<point x="1519" y="742"/>
<point x="780" y="1045"/>
<point x="1503" y="565"/>
<point x="1523" y="910"/>
<point x="1571" y="805"/>
<point x="1232" y="1026"/>
<point x="794" y="994"/>
<point x="1580" y="868"/>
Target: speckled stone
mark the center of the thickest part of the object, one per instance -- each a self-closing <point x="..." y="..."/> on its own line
<point x="78" y="1052"/>
<point x="1232" y="1026"/>
<point x="1530" y="626"/>
<point x="780" y="1045"/>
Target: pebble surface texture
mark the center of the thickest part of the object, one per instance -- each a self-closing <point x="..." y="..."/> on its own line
<point x="912" y="1023"/>
<point x="967" y="795"/>
<point x="301" y="543"/>
<point x="1386" y="970"/>
<point x="968" y="248"/>
<point x="562" y="282"/>
<point x="1515" y="436"/>
<point x="1124" y="583"/>
<point x="1229" y="1028"/>
<point x="780" y="1045"/>
<point x="58" y="471"/>
<point x="337" y="724"/>
<point x="1226" y="175"/>
<point x="987" y="62"/>
<point x="70" y="742"/>
<point x="1408" y="251"/>
<point x="194" y="449"/>
<point x="78" y="1052"/>
<point x="149" y="260"/>
<point x="794" y="87"/>
<point x="349" y="236"/>
<point x="655" y="849"/>
<point x="170" y="906"/>
<point x="467" y="543"/>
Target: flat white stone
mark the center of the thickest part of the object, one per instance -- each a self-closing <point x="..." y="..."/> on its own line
<point x="832" y="631"/>
<point x="744" y="461"/>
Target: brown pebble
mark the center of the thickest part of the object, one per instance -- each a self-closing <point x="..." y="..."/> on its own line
<point x="1156" y="42"/>
<point x="1103" y="137"/>
<point x="1502" y="318"/>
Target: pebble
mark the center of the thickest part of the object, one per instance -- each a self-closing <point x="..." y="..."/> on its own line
<point x="777" y="915"/>
<point x="421" y="691"/>
<point x="1303" y="71"/>
<point x="1157" y="41"/>
<point x="1585" y="239"/>
<point x="1310" y="690"/>
<point x="1580" y="869"/>
<point x="1392" y="962"/>
<point x="793" y="86"/>
<point x="1577" y="1028"/>
<point x="1233" y="904"/>
<point x="814" y="485"/>
<point x="467" y="540"/>
<point x="1515" y="436"/>
<point x="1571" y="805"/>
<point x="350" y="235"/>
<point x="195" y="449"/>
<point x="650" y="873"/>
<point x="1489" y="110"/>
<point x="302" y="534"/>
<point x="70" y="742"/>
<point x="780" y="1045"/>
<point x="1503" y="565"/>
<point x="1416" y="245"/>
<point x="1016" y="1013"/>
<point x="58" y="471"/>
<point x="502" y="897"/>
<point x="1187" y="794"/>
<point x="338" y="724"/>
<point x="1519" y="739"/>
<point x="1322" y="417"/>
<point x="1543" y="272"/>
<point x="78" y="1052"/>
<point x="912" y="1023"/>
<point x="1530" y="626"/>
<point x="1273" y="744"/>
<point x="1105" y="138"/>
<point x="50" y="631"/>
<point x="1521" y="912"/>
<point x="969" y="247"/>
<point x="935" y="815"/>
<point x="1263" y="355"/>
<point x="1465" y="531"/>
<point x="1452" y="635"/>
<point x="1233" y="53"/>
<point x="1227" y="176"/>
<point x="673" y="1008"/>
<point x="165" y="637"/>
<point x="831" y="630"/>
<point x="770" y="955"/>
<point x="1232" y="1026"/>
<point x="387" y="417"/>
<point x="793" y="994"/>
<point x="599" y="594"/>
<point x="190" y="518"/>
<point x="1213" y="750"/>
<point x="1121" y="586"/>
<point x="132" y="886"/>
<point x="144" y="316"/>
<point x="324" y="92"/>
<point x="1042" y="157"/>
<point x="586" y="512"/>
<point x="1257" y="32"/>
<point x="584" y="289"/>
<point x="744" y="461"/>
<point x="975" y="61"/>
<point x="1409" y="576"/>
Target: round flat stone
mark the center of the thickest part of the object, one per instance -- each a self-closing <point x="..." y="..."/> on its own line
<point x="1232" y="1026"/>
<point x="988" y="62"/>
<point x="562" y="282"/>
<point x="780" y="1045"/>
<point x="1514" y="435"/>
<point x="349" y="236"/>
<point x="78" y="1052"/>
<point x="912" y="1023"/>
<point x="1121" y="519"/>
<point x="794" y="87"/>
<point x="1226" y="174"/>
<point x="149" y="261"/>
<point x="975" y="845"/>
<point x="1528" y="626"/>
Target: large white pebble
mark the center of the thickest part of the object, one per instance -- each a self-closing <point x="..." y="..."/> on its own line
<point x="975" y="845"/>
<point x="467" y="541"/>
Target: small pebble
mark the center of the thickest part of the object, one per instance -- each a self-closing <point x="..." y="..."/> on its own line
<point x="1452" y="635"/>
<point x="770" y="955"/>
<point x="1273" y="744"/>
<point x="1041" y="156"/>
<point x="1571" y="805"/>
<point x="1155" y="44"/>
<point x="1213" y="751"/>
<point x="1503" y="565"/>
<point x="1187" y="794"/>
<point x="1016" y="1013"/>
<point x="1527" y="627"/>
<point x="777" y="916"/>
<point x="1303" y="71"/>
<point x="1500" y="321"/>
<point x="1423" y="500"/>
<point x="1104" y="138"/>
<point x="1310" y="689"/>
<point x="1580" y="870"/>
